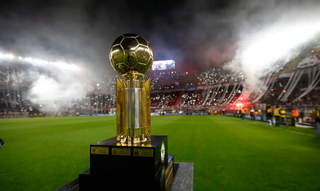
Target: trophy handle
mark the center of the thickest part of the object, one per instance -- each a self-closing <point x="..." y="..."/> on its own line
<point x="147" y="108"/>
<point x="121" y="133"/>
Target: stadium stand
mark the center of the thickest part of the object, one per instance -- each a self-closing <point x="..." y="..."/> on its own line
<point x="212" y="89"/>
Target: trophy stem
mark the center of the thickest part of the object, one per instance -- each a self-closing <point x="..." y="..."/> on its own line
<point x="133" y="125"/>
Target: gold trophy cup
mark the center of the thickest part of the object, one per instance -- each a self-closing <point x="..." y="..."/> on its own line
<point x="131" y="56"/>
<point x="131" y="160"/>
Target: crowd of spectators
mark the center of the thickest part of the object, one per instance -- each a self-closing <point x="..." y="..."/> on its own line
<point x="171" y="89"/>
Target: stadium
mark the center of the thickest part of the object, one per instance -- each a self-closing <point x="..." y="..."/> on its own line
<point x="294" y="83"/>
<point x="221" y="118"/>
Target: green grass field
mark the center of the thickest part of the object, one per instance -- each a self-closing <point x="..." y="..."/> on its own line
<point x="228" y="153"/>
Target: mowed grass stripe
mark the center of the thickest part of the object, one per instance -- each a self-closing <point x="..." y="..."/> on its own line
<point x="228" y="153"/>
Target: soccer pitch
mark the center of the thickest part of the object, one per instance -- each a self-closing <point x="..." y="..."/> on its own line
<point x="228" y="153"/>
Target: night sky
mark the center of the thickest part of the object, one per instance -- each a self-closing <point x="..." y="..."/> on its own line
<point x="82" y="32"/>
<point x="197" y="34"/>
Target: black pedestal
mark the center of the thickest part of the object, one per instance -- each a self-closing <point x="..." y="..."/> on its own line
<point x="115" y="167"/>
<point x="182" y="181"/>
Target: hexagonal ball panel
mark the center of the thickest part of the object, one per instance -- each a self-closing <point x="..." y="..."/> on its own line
<point x="130" y="59"/>
<point x="116" y="54"/>
<point x="141" y="40"/>
<point x="118" y="40"/>
<point x="142" y="54"/>
<point x="129" y="43"/>
<point x="123" y="68"/>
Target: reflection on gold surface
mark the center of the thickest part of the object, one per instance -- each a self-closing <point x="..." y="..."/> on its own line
<point x="129" y="144"/>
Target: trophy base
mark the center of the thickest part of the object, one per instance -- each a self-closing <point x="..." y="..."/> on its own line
<point x="114" y="166"/>
<point x="87" y="181"/>
<point x="182" y="181"/>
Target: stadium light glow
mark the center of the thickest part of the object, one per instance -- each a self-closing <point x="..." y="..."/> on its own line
<point x="29" y="60"/>
<point x="6" y="56"/>
<point x="10" y="56"/>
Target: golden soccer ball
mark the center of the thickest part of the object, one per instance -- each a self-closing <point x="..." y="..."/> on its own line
<point x="131" y="53"/>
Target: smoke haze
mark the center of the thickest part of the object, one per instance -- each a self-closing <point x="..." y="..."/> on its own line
<point x="274" y="33"/>
<point x="54" y="91"/>
<point x="249" y="36"/>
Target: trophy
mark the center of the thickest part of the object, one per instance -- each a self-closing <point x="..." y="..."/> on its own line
<point x="133" y="159"/>
<point x="131" y="56"/>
